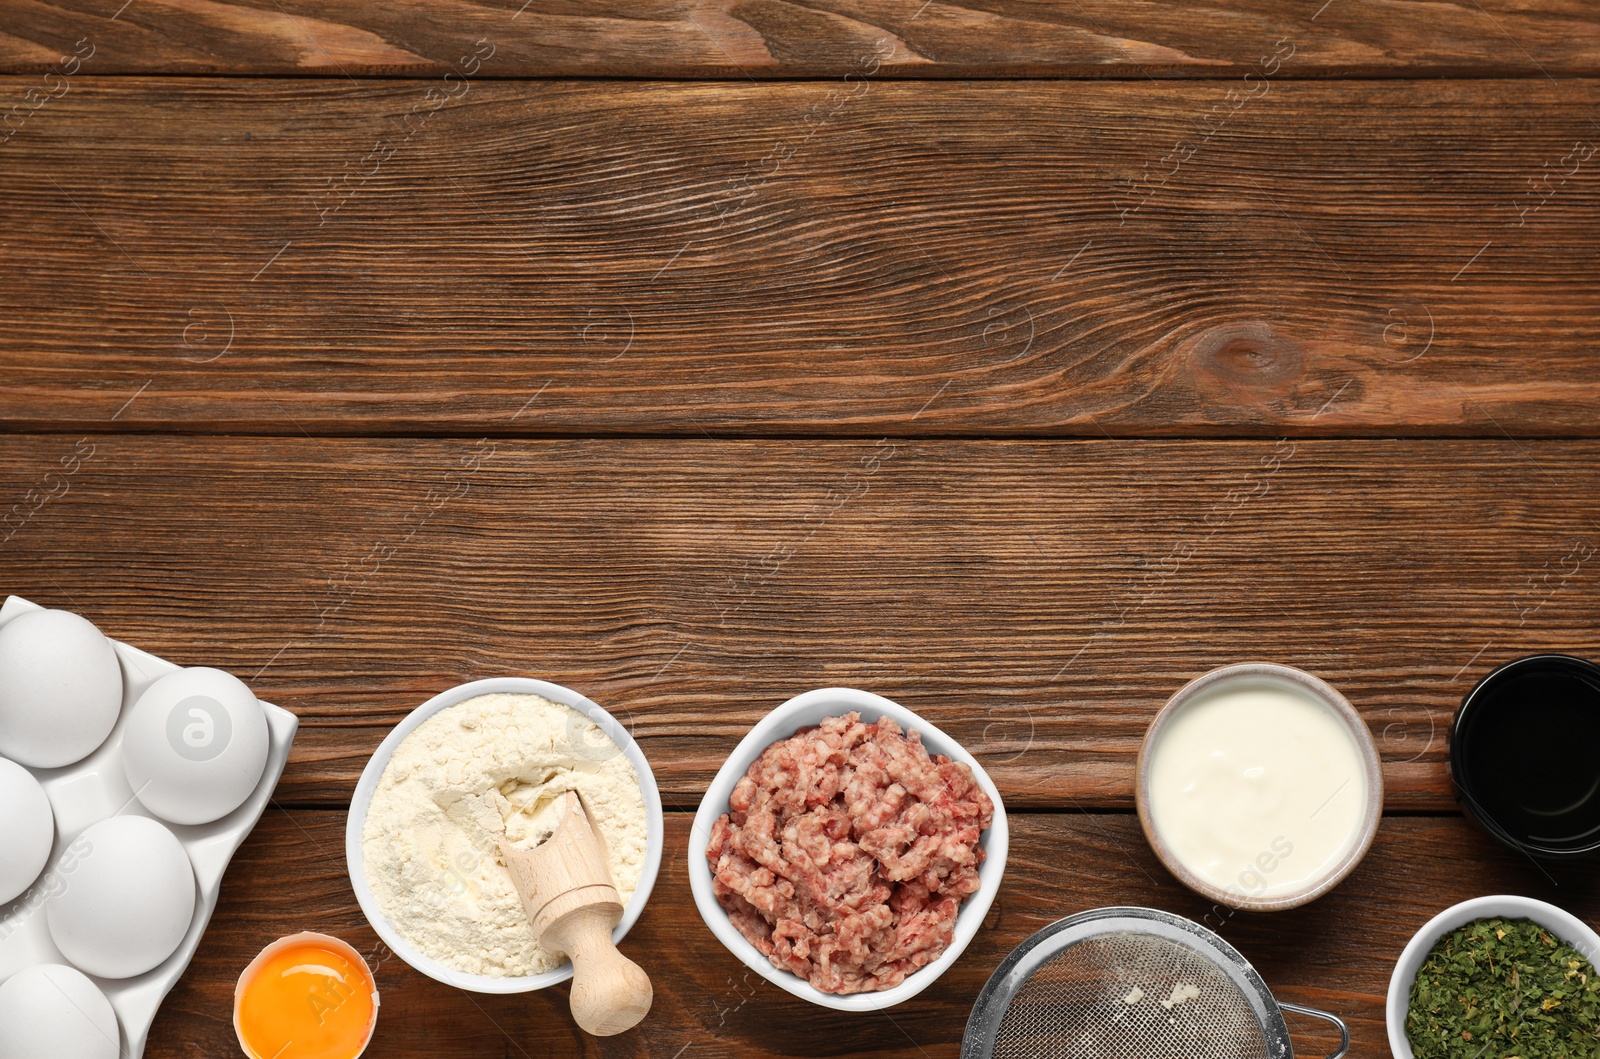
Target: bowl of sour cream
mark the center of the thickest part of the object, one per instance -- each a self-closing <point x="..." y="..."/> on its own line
<point x="1259" y="786"/>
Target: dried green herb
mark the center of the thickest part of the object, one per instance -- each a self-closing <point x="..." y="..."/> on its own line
<point x="1504" y="989"/>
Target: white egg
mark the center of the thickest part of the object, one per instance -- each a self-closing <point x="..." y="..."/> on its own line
<point x="126" y="899"/>
<point x="27" y="830"/>
<point x="60" y="688"/>
<point x="195" y="745"/>
<point x="49" y="1011"/>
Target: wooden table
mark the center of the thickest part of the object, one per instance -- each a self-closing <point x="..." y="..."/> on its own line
<point x="1018" y="361"/>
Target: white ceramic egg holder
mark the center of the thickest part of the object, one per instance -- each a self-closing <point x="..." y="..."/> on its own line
<point x="96" y="788"/>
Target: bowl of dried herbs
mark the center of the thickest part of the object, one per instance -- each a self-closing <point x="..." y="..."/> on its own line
<point x="1497" y="978"/>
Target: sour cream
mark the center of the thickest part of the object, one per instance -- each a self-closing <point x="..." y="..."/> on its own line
<point x="1257" y="788"/>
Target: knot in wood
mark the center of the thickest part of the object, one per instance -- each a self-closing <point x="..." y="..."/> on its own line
<point x="1246" y="360"/>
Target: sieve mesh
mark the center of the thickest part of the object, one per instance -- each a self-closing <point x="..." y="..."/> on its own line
<point x="1076" y="1005"/>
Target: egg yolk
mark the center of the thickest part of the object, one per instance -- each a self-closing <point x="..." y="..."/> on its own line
<point x="306" y="1002"/>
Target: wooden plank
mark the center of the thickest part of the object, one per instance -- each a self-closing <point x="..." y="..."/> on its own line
<point x="1037" y="600"/>
<point x="1336" y="953"/>
<point x="1019" y="258"/>
<point x="728" y="39"/>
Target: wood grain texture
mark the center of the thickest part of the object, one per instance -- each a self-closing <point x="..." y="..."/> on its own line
<point x="1014" y="258"/>
<point x="1336" y="953"/>
<point x="767" y="39"/>
<point x="1039" y="601"/>
<point x="682" y="316"/>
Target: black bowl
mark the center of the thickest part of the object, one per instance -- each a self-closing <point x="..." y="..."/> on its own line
<point x="1525" y="755"/>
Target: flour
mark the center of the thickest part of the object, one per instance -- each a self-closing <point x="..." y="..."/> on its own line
<point x="493" y="764"/>
<point x="1182" y="993"/>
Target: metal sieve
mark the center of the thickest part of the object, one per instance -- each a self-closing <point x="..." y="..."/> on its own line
<point x="1130" y="983"/>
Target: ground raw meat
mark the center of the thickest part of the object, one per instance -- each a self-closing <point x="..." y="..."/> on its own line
<point x="846" y="853"/>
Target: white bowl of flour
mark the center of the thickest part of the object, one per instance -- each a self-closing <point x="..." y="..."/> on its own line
<point x="486" y="759"/>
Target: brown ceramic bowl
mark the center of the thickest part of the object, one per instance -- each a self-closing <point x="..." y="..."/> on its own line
<point x="1321" y="692"/>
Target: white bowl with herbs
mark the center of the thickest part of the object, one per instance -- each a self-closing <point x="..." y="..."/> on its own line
<point x="1496" y="976"/>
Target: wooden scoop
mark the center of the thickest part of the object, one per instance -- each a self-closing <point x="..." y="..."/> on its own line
<point x="567" y="891"/>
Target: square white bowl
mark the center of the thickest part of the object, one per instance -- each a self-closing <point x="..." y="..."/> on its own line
<point x="803" y="711"/>
<point x="356" y="823"/>
<point x="1566" y="926"/>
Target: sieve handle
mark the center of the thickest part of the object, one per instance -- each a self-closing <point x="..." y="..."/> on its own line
<point x="1344" y="1031"/>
